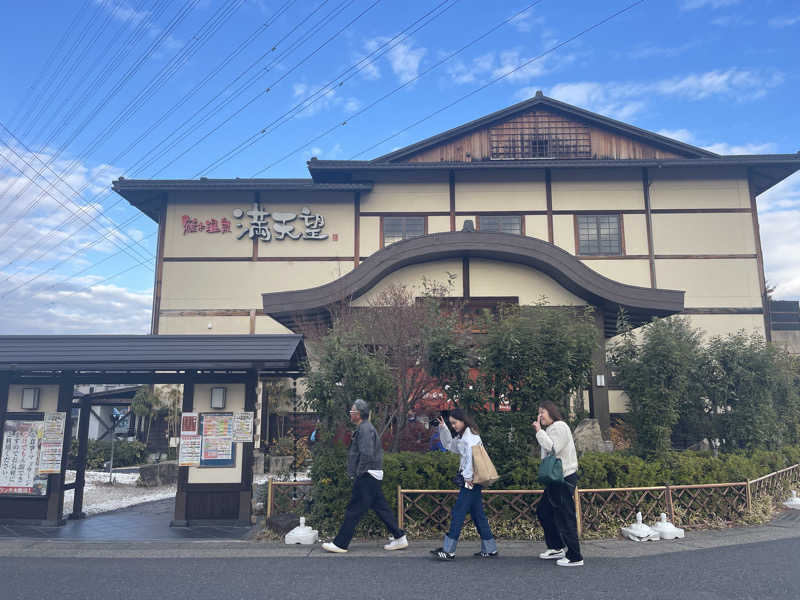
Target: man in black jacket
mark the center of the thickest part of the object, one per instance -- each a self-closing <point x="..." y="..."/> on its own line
<point x="365" y="465"/>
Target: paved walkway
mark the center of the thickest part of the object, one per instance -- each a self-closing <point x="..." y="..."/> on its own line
<point x="116" y="535"/>
<point x="143" y="522"/>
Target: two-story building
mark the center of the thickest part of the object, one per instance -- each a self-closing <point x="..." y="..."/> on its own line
<point x="538" y="200"/>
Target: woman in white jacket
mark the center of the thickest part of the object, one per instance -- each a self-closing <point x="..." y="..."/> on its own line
<point x="469" y="499"/>
<point x="556" y="508"/>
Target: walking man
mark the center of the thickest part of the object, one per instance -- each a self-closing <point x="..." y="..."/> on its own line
<point x="365" y="466"/>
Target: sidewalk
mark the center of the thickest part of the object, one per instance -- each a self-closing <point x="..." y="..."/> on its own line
<point x="785" y="526"/>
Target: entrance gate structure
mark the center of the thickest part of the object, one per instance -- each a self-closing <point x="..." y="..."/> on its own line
<point x="37" y="378"/>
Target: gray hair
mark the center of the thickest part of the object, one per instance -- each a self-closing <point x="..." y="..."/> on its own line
<point x="362" y="407"/>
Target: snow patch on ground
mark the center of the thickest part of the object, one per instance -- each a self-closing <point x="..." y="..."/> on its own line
<point x="100" y="497"/>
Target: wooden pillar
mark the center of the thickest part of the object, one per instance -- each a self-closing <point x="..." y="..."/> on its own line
<point x="80" y="469"/>
<point x="246" y="492"/>
<point x="548" y="187"/>
<point x="55" y="484"/>
<point x="452" y="180"/>
<point x="179" y="518"/>
<point x="599" y="394"/>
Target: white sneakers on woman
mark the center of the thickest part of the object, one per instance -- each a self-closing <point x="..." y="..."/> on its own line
<point x="396" y="544"/>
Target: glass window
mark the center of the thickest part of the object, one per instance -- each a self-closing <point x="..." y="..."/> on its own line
<point x="501" y="223"/>
<point x="396" y="229"/>
<point x="599" y="235"/>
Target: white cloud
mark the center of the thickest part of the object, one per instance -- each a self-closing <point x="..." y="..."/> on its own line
<point x="779" y="222"/>
<point x="405" y="60"/>
<point x="732" y="21"/>
<point x="682" y="135"/>
<point x="784" y="21"/>
<point x="725" y="148"/>
<point x="695" y="4"/>
<point x="525" y="21"/>
<point x="504" y="63"/>
<point x="317" y="98"/>
<point x="48" y="306"/>
<point x="38" y="232"/>
<point x="625" y="99"/>
<point x="121" y="11"/>
<point x="643" y="51"/>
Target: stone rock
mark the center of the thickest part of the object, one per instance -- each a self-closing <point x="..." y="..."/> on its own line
<point x="280" y="464"/>
<point x="156" y="474"/>
<point x="702" y="446"/>
<point x="589" y="438"/>
<point x="282" y="524"/>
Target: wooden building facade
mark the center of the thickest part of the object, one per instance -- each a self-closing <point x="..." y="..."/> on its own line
<point x="566" y="204"/>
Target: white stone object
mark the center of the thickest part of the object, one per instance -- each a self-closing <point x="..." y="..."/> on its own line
<point x="639" y="532"/>
<point x="793" y="502"/>
<point x="666" y="530"/>
<point x="302" y="534"/>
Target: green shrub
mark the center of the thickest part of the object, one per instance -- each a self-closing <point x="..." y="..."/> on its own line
<point x="126" y="454"/>
<point x="435" y="470"/>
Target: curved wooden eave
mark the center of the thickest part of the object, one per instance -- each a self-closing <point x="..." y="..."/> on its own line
<point x="641" y="304"/>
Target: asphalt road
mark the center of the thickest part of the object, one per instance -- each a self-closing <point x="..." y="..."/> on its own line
<point x="764" y="570"/>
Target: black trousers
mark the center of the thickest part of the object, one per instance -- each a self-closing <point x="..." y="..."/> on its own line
<point x="367" y="494"/>
<point x="556" y="512"/>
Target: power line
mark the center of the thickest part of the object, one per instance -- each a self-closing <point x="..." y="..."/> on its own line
<point x="407" y="83"/>
<point x="331" y="85"/>
<point x="460" y="99"/>
<point x="317" y="27"/>
<point x="182" y="14"/>
<point x="267" y="23"/>
<point x="64" y="181"/>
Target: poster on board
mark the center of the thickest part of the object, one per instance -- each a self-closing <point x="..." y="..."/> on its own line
<point x="218" y="449"/>
<point x="189" y="423"/>
<point x="190" y="451"/>
<point x="52" y="447"/>
<point x="19" y="461"/>
<point x="243" y="427"/>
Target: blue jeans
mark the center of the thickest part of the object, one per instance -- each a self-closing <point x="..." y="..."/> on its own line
<point x="469" y="502"/>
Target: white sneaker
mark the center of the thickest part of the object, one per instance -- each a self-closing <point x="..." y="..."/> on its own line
<point x="396" y="544"/>
<point x="552" y="554"/>
<point x="565" y="562"/>
<point x="331" y="547"/>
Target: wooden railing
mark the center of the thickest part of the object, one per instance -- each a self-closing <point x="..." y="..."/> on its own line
<point x="599" y="509"/>
<point x="286" y="494"/>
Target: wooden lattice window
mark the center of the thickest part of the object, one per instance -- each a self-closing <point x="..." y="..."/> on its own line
<point x="539" y="135"/>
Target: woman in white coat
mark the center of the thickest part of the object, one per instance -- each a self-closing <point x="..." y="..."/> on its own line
<point x="469" y="499"/>
<point x="556" y="509"/>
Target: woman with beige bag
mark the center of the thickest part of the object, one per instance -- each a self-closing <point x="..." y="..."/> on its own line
<point x="472" y="476"/>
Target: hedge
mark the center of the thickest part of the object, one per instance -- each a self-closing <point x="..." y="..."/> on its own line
<point x="126" y="454"/>
<point x="436" y="470"/>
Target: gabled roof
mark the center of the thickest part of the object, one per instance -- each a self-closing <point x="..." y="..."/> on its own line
<point x="542" y="101"/>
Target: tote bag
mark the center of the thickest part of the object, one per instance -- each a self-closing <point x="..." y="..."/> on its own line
<point x="483" y="471"/>
<point x="550" y="470"/>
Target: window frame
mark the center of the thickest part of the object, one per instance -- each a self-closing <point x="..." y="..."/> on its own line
<point x="519" y="215"/>
<point x="401" y="216"/>
<point x="620" y="229"/>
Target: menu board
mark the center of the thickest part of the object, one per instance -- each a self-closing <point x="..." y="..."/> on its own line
<point x="243" y="427"/>
<point x="217" y="447"/>
<point x="52" y="447"/>
<point x="19" y="461"/>
<point x="190" y="451"/>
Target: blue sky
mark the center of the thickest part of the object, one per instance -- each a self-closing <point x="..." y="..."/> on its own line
<point x="93" y="89"/>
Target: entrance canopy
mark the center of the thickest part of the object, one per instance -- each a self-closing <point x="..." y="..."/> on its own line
<point x="149" y="358"/>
